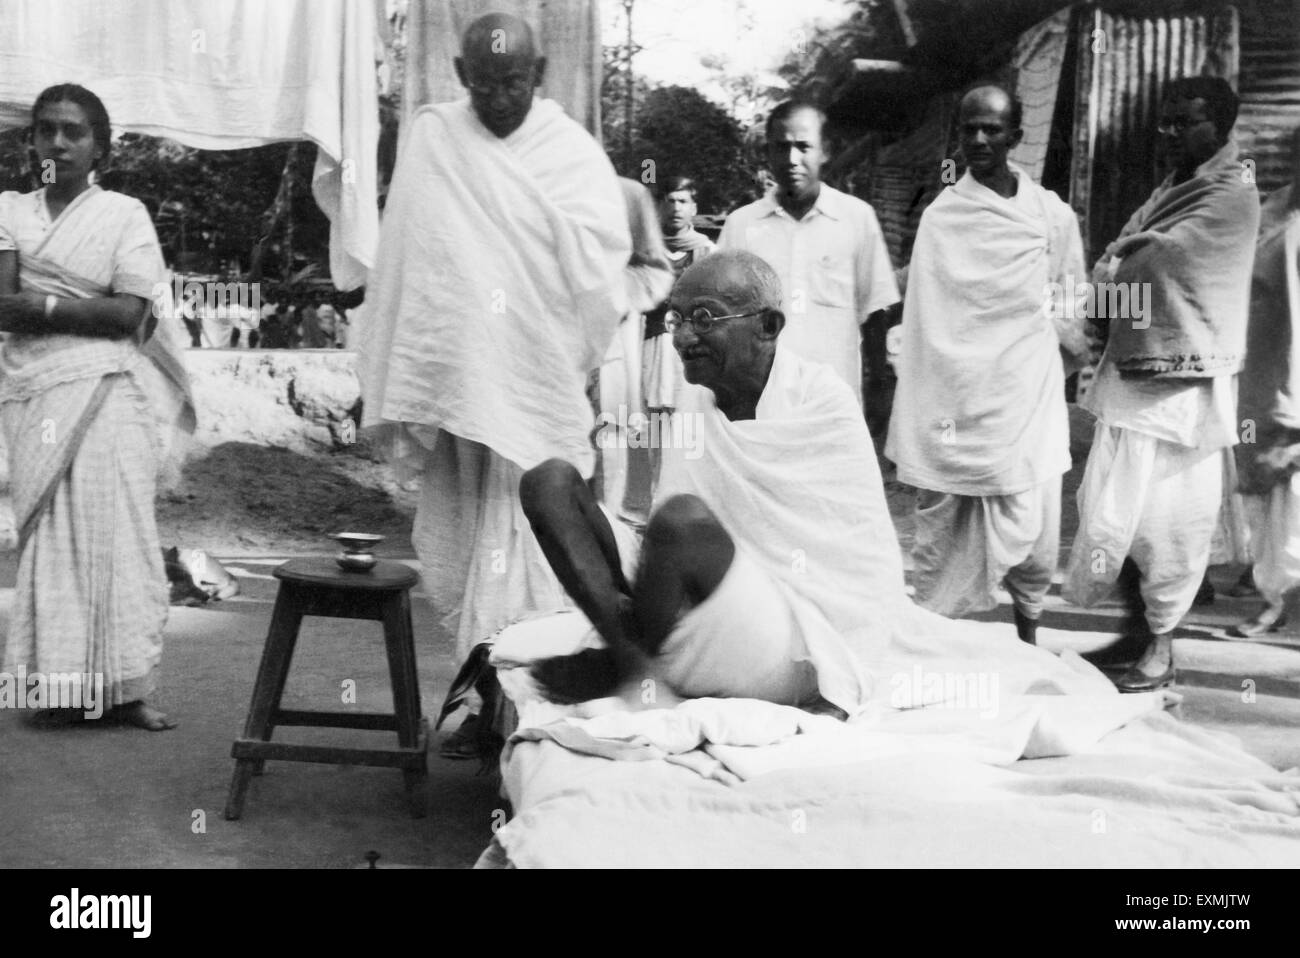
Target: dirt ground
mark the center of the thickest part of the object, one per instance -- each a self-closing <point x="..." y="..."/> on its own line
<point x="244" y="499"/>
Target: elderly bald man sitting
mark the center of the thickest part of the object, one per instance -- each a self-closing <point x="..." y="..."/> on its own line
<point x="769" y="560"/>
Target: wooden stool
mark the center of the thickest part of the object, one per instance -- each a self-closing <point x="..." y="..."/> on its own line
<point x="320" y="587"/>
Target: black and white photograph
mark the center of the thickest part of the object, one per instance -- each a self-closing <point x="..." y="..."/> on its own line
<point x="651" y="434"/>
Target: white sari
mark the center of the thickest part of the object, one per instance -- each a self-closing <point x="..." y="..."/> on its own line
<point x="81" y="417"/>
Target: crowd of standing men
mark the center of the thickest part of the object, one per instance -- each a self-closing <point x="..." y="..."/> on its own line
<point x="979" y="424"/>
<point x="513" y="263"/>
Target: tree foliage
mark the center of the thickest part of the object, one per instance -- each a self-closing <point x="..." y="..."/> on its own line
<point x="813" y="69"/>
<point x="677" y="131"/>
<point x="209" y="207"/>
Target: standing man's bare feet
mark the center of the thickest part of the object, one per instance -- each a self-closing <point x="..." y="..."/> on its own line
<point x="140" y="715"/>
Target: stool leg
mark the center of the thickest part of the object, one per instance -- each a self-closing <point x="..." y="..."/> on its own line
<point x="399" y="641"/>
<point x="272" y="674"/>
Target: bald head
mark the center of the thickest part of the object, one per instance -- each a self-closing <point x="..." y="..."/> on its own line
<point x="988" y="128"/>
<point x="994" y="99"/>
<point x="743" y="280"/>
<point x="494" y="34"/>
<point x="499" y="65"/>
<point x="732" y="356"/>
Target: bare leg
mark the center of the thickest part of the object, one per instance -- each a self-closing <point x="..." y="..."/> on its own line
<point x="685" y="555"/>
<point x="578" y="543"/>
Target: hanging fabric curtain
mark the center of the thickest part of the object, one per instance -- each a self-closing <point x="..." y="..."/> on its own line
<point x="221" y="75"/>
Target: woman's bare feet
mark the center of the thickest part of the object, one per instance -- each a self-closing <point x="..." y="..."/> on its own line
<point x="140" y="715"/>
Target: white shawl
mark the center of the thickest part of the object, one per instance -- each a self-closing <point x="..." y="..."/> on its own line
<point x="980" y="406"/>
<point x="799" y="489"/>
<point x="498" y="285"/>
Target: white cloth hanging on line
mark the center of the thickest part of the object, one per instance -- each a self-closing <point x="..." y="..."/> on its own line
<point x="221" y="75"/>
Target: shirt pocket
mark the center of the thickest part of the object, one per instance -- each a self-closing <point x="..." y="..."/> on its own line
<point x="830" y="281"/>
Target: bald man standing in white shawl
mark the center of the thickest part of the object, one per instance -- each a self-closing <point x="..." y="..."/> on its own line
<point x="498" y="288"/>
<point x="979" y="422"/>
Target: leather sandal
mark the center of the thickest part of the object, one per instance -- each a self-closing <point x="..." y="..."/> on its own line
<point x="1125" y="651"/>
<point x="1136" y="681"/>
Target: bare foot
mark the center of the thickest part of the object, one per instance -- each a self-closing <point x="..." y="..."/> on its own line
<point x="141" y="716"/>
<point x="569" y="679"/>
<point x="1158" y="657"/>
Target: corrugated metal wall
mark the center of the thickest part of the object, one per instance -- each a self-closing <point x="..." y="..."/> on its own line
<point x="1125" y="64"/>
<point x="1269" y="85"/>
<point x="907" y="176"/>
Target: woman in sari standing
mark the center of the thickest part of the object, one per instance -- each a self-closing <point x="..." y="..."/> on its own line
<point x="79" y="267"/>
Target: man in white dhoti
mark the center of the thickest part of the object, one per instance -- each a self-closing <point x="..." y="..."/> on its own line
<point x="770" y="568"/>
<point x="979" y="422"/>
<point x="1164" y="393"/>
<point x="826" y="247"/>
<point x="498" y="288"/>
<point x="1269" y="406"/>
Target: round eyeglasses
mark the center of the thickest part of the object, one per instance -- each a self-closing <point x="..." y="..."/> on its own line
<point x="700" y="319"/>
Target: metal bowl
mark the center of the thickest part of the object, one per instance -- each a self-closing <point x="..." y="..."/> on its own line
<point x="356" y="561"/>
<point x="359" y="542"/>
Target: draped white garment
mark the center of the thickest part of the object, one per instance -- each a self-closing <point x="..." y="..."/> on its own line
<point x="221" y="75"/>
<point x="499" y="284"/>
<point x="799" y="489"/>
<point x="980" y="406"/>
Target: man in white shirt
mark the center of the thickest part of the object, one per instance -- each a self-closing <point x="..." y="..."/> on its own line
<point x="1164" y="394"/>
<point x="826" y="247"/>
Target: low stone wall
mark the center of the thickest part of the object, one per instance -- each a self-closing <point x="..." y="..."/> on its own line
<point x="304" y="400"/>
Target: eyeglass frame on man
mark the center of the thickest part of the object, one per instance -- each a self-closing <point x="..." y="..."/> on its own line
<point x="673" y="320"/>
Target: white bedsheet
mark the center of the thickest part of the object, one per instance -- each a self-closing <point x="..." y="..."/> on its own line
<point x="739" y="783"/>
